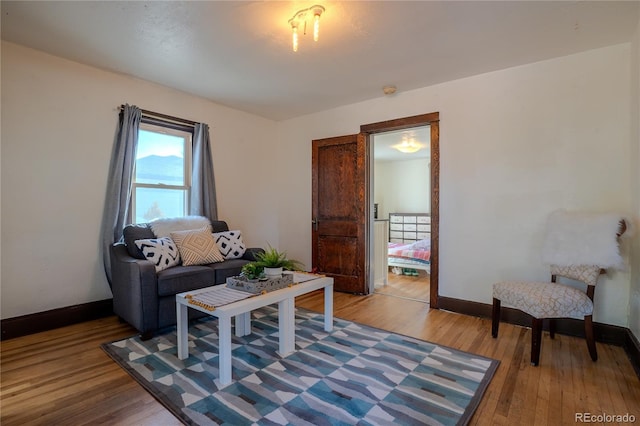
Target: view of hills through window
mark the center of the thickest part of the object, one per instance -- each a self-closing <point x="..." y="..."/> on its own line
<point x="161" y="183"/>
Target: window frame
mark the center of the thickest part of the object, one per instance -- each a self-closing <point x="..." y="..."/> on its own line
<point x="168" y="128"/>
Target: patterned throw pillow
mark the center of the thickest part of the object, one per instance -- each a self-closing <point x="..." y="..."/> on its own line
<point x="230" y="244"/>
<point x="197" y="247"/>
<point x="162" y="252"/>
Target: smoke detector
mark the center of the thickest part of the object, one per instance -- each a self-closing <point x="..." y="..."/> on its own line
<point x="389" y="90"/>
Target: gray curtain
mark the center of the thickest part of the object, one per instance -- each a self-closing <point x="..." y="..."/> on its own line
<point x="117" y="206"/>
<point x="203" y="187"/>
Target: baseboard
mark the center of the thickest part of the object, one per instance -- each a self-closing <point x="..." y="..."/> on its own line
<point x="632" y="348"/>
<point x="55" y="318"/>
<point x="605" y="333"/>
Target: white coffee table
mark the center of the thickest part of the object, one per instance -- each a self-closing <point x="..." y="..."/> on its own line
<point x="241" y="310"/>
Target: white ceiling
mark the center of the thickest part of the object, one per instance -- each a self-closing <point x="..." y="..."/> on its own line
<point x="238" y="53"/>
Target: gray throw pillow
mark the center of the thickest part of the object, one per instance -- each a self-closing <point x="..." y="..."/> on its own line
<point x="219" y="226"/>
<point x="135" y="232"/>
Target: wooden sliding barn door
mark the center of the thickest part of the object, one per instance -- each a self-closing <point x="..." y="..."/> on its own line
<point x="339" y="211"/>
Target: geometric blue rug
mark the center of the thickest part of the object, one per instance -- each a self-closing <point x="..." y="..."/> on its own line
<point x="355" y="374"/>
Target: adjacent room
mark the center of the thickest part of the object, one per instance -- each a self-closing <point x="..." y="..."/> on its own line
<point x="402" y="222"/>
<point x="159" y="158"/>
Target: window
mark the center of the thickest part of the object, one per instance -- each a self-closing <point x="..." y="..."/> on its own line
<point x="162" y="174"/>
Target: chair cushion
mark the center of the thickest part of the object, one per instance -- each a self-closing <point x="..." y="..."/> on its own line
<point x="544" y="300"/>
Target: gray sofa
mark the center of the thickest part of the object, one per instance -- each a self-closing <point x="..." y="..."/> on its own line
<point x="145" y="298"/>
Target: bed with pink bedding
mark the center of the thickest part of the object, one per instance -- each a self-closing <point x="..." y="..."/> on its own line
<point x="414" y="254"/>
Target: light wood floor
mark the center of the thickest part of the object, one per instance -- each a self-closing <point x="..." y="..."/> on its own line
<point x="407" y="286"/>
<point x="62" y="377"/>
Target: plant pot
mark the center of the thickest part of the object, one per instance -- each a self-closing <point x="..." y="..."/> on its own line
<point x="273" y="272"/>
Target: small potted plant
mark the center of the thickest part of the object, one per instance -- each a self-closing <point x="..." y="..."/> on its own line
<point x="274" y="262"/>
<point x="252" y="271"/>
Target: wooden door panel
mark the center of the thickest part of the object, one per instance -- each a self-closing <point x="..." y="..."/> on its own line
<point x="337" y="166"/>
<point x="337" y="227"/>
<point x="338" y="208"/>
<point x="338" y="256"/>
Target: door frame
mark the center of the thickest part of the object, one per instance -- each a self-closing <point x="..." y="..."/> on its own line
<point x="432" y="120"/>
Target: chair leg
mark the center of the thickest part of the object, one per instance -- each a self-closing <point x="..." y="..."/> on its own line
<point x="495" y="317"/>
<point x="591" y="341"/>
<point x="552" y="328"/>
<point x="536" y="338"/>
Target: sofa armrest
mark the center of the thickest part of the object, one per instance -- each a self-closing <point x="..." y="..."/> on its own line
<point x="250" y="253"/>
<point x="135" y="289"/>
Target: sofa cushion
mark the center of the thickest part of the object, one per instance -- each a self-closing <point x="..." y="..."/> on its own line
<point x="184" y="278"/>
<point x="134" y="232"/>
<point x="162" y="252"/>
<point x="197" y="247"/>
<point x="226" y="269"/>
<point x="230" y="244"/>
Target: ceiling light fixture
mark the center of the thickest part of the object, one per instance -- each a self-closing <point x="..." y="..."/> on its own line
<point x="408" y="145"/>
<point x="300" y="19"/>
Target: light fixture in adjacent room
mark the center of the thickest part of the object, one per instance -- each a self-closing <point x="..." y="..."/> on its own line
<point x="299" y="21"/>
<point x="408" y="145"/>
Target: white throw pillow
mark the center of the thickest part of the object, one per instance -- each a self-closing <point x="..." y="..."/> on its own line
<point x="163" y="227"/>
<point x="162" y="252"/>
<point x="230" y="244"/>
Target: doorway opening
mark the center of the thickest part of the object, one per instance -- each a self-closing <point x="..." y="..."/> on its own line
<point x="422" y="225"/>
<point x="401" y="229"/>
<point x="342" y="220"/>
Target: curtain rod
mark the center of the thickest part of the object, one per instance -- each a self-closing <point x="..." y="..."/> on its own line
<point x="164" y="116"/>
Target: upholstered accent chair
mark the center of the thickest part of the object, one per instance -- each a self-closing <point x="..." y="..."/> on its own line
<point x="550" y="300"/>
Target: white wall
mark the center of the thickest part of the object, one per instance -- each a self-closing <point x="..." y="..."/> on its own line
<point x="634" y="312"/>
<point x="58" y="124"/>
<point x="401" y="186"/>
<point x="514" y="145"/>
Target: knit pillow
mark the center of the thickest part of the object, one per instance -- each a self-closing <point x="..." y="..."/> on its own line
<point x="162" y="252"/>
<point x="230" y="244"/>
<point x="197" y="247"/>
